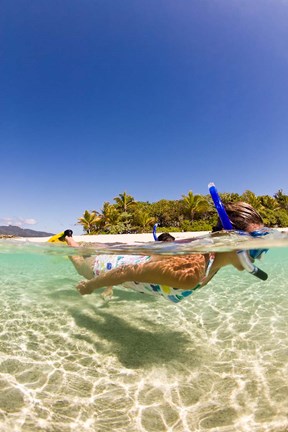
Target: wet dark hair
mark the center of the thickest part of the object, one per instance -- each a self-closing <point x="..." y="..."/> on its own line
<point x="241" y="215"/>
<point x="166" y="237"/>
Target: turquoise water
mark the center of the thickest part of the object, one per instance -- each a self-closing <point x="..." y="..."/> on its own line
<point x="215" y="362"/>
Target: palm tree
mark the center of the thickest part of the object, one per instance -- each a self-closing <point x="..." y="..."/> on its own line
<point x="89" y="220"/>
<point x="124" y="202"/>
<point x="227" y="197"/>
<point x="194" y="204"/>
<point x="110" y="214"/>
<point x="282" y="199"/>
<point x="144" y="220"/>
<point x="249" y="197"/>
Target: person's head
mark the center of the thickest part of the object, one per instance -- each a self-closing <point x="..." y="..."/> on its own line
<point x="243" y="217"/>
<point x="166" y="237"/>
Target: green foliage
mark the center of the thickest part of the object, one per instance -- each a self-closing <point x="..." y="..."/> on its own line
<point x="118" y="228"/>
<point x="186" y="225"/>
<point x="269" y="218"/>
<point x="166" y="212"/>
<point x="282" y="218"/>
<point x="194" y="204"/>
<point x="252" y="199"/>
<point x="168" y="229"/>
<point x="269" y="202"/>
<point x="191" y="213"/>
<point x="124" y="202"/>
<point x="90" y="221"/>
<point x="282" y="199"/>
<point x="200" y="225"/>
<point x="229" y="197"/>
<point x="143" y="220"/>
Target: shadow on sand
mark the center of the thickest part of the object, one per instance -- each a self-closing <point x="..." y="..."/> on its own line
<point x="134" y="347"/>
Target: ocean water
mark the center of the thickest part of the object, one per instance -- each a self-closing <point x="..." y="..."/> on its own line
<point x="215" y="362"/>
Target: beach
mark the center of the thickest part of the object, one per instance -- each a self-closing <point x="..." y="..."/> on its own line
<point x="126" y="238"/>
<point x="119" y="238"/>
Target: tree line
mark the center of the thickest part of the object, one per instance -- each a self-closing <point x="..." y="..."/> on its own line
<point x="192" y="212"/>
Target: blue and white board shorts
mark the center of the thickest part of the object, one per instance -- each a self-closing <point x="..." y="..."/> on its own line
<point x="104" y="263"/>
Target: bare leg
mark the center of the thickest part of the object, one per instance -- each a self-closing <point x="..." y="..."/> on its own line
<point x="185" y="272"/>
<point x="71" y="242"/>
<point x="84" y="267"/>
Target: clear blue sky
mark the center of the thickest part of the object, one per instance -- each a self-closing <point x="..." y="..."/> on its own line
<point x="151" y="97"/>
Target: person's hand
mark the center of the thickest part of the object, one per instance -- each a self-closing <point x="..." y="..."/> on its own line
<point x="83" y="289"/>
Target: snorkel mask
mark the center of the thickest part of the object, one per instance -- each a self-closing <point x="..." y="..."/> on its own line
<point x="227" y="225"/>
<point x="258" y="253"/>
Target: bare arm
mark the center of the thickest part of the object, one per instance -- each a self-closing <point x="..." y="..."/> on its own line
<point x="184" y="272"/>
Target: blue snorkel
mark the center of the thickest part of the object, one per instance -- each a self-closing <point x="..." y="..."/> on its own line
<point x="154" y="231"/>
<point x="227" y="225"/>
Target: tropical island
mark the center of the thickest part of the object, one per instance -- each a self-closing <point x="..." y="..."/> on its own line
<point x="192" y="212"/>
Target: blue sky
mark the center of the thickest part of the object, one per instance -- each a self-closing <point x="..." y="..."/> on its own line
<point x="151" y="97"/>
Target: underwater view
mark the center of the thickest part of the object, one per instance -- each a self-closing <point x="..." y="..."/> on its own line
<point x="214" y="362"/>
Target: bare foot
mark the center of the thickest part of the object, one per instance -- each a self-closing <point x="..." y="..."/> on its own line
<point x="83" y="289"/>
<point x="107" y="294"/>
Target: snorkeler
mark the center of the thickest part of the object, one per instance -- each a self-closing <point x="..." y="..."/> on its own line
<point x="172" y="277"/>
<point x="84" y="265"/>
